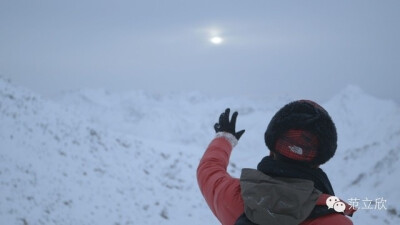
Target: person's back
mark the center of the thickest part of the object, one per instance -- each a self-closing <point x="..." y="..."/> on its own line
<point x="288" y="187"/>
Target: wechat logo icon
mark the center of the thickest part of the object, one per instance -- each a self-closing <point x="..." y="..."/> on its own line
<point x="333" y="202"/>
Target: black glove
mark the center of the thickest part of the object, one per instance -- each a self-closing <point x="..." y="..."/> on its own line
<point x="224" y="125"/>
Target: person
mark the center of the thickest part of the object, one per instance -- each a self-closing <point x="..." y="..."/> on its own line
<point x="288" y="186"/>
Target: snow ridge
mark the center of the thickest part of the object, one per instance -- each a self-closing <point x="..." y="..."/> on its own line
<point x="95" y="157"/>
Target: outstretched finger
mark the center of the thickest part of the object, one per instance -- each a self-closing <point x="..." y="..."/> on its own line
<point x="233" y="120"/>
<point x="227" y="111"/>
<point x="239" y="134"/>
<point x="217" y="127"/>
<point x="224" y="119"/>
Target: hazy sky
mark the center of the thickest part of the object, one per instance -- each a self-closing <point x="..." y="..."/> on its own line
<point x="305" y="49"/>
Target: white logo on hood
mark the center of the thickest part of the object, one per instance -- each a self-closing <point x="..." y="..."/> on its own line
<point x="296" y="149"/>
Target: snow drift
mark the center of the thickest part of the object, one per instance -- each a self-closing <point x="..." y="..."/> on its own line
<point x="94" y="157"/>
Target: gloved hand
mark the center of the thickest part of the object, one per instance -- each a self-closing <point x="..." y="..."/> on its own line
<point x="224" y="125"/>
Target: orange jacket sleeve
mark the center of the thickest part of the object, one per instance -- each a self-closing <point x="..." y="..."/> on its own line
<point x="220" y="190"/>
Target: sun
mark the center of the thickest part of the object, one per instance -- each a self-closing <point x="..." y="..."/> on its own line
<point x="216" y="40"/>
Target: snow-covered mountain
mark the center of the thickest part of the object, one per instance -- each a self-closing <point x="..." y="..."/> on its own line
<point x="94" y="157"/>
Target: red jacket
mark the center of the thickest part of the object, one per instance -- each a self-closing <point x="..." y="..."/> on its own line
<point x="223" y="194"/>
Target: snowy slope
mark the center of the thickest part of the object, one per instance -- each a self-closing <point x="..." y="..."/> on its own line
<point x="94" y="157"/>
<point x="367" y="165"/>
<point x="59" y="166"/>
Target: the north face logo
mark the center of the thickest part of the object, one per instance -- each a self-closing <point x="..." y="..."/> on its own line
<point x="296" y="149"/>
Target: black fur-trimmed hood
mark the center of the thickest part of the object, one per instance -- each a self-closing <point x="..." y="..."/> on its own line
<point x="305" y="115"/>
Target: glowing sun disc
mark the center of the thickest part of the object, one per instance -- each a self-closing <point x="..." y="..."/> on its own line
<point x="216" y="40"/>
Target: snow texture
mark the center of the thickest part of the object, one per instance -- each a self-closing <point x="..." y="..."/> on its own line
<point x="94" y="157"/>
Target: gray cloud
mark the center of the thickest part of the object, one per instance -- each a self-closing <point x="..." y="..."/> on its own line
<point x="302" y="49"/>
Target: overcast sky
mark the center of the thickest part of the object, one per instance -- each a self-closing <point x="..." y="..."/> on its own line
<point x="304" y="49"/>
